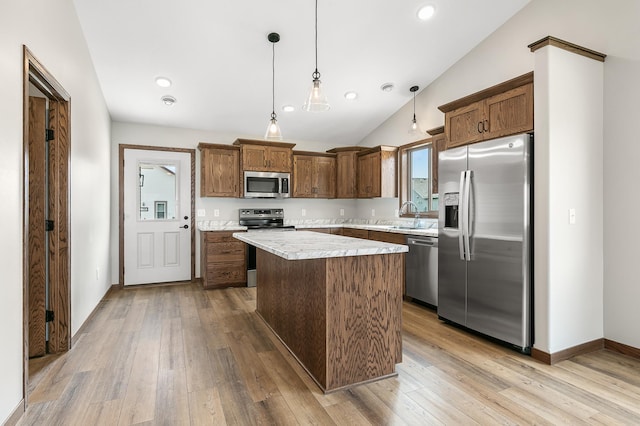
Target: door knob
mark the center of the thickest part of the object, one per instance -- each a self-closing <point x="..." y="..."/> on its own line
<point x="185" y="226"/>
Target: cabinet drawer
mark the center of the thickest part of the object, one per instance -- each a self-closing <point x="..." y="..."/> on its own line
<point x="219" y="236"/>
<point x="226" y="248"/>
<point x="388" y="237"/>
<point x="231" y="272"/>
<point x="357" y="233"/>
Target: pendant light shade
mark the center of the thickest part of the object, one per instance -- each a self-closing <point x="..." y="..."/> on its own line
<point x="414" y="129"/>
<point x="317" y="100"/>
<point x="273" y="129"/>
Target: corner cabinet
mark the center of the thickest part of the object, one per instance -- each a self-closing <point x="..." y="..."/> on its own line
<point x="501" y="110"/>
<point x="314" y="175"/>
<point x="223" y="260"/>
<point x="263" y="156"/>
<point x="438" y="144"/>
<point x="219" y="170"/>
<point x="346" y="171"/>
<point x="377" y="172"/>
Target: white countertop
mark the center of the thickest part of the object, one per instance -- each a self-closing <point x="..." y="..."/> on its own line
<point x="229" y="226"/>
<point x="314" y="245"/>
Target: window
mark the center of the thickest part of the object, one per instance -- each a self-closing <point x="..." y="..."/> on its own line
<point x="416" y="179"/>
<point x="161" y="209"/>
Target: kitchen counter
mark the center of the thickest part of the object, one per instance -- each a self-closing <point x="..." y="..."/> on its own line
<point x="335" y="302"/>
<point x="313" y="245"/>
<point x="230" y="226"/>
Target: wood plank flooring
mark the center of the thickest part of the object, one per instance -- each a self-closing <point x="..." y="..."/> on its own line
<point x="179" y="355"/>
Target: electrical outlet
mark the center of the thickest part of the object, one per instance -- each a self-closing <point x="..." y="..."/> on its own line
<point x="341" y="212"/>
<point x="201" y="213"/>
<point x="216" y="212"/>
<point x="373" y="212"/>
<point x="303" y="212"/>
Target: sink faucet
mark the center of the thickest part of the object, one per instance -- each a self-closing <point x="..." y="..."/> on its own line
<point x="416" y="221"/>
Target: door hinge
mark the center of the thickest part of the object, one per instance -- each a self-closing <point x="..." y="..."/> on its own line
<point x="49" y="136"/>
<point x="48" y="225"/>
<point x="48" y="316"/>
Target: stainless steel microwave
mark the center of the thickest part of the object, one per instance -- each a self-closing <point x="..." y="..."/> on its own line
<point x="267" y="185"/>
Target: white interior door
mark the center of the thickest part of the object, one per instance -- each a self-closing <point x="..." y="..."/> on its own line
<point x="157" y="210"/>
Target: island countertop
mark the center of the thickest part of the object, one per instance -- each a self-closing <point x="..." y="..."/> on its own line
<point x="297" y="245"/>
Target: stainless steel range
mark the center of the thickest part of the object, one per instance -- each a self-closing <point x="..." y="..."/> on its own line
<point x="260" y="220"/>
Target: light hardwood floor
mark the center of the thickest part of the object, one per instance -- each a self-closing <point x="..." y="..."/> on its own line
<point x="179" y="355"/>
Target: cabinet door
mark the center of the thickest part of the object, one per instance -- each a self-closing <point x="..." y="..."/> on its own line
<point x="302" y="176"/>
<point x="509" y="113"/>
<point x="346" y="178"/>
<point x="279" y="159"/>
<point x="324" y="174"/>
<point x="464" y="125"/>
<point x="355" y="233"/>
<point x="219" y="172"/>
<point x="438" y="144"/>
<point x="254" y="157"/>
<point x="365" y="175"/>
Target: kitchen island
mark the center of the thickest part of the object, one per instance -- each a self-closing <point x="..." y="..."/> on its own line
<point x="335" y="302"/>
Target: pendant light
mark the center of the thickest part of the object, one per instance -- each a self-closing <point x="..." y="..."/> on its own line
<point x="414" y="129"/>
<point x="316" y="101"/>
<point x="273" y="129"/>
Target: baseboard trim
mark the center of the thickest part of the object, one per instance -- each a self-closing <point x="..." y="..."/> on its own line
<point x="622" y="348"/>
<point x="553" y="358"/>
<point x="16" y="415"/>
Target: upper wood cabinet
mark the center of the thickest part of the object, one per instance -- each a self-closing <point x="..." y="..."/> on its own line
<point x="501" y="110"/>
<point x="346" y="171"/>
<point x="377" y="172"/>
<point x="314" y="175"/>
<point x="219" y="170"/>
<point x="265" y="156"/>
<point x="438" y="144"/>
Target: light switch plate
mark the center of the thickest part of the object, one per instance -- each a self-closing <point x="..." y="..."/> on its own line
<point x="303" y="212"/>
<point x="201" y="213"/>
<point x="341" y="212"/>
<point x="216" y="212"/>
<point x="373" y="212"/>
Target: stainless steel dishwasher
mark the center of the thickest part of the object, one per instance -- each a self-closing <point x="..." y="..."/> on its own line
<point x="422" y="269"/>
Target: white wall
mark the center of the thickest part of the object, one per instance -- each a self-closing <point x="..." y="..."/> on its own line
<point x="51" y="31"/>
<point x="140" y="134"/>
<point x="569" y="175"/>
<point x="608" y="27"/>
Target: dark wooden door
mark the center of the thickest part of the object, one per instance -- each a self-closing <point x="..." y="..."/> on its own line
<point x="37" y="216"/>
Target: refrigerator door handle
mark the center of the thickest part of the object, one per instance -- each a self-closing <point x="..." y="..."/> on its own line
<point x="462" y="217"/>
<point x="466" y="214"/>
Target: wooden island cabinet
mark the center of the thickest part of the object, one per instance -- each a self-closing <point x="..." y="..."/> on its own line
<point x="339" y="314"/>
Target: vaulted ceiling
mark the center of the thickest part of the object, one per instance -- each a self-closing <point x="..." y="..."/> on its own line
<point x="218" y="58"/>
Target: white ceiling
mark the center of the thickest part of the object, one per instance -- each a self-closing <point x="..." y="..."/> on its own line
<point x="219" y="59"/>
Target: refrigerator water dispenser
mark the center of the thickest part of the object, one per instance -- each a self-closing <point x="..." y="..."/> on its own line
<point x="451" y="210"/>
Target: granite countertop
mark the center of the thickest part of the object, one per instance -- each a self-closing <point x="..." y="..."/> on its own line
<point x="210" y="225"/>
<point x="313" y="245"/>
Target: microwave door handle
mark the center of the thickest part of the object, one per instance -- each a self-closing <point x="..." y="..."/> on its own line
<point x="461" y="199"/>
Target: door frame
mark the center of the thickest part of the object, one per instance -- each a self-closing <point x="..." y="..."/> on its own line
<point x="59" y="207"/>
<point x="192" y="154"/>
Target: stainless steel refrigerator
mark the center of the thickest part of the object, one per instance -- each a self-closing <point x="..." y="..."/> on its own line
<point x="484" y="232"/>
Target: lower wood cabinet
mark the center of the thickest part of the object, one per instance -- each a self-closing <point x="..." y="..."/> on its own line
<point x="334" y="231"/>
<point x="223" y="260"/>
<point x="356" y="233"/>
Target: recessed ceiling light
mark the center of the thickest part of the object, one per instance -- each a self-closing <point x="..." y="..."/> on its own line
<point x="426" y="12"/>
<point x="288" y="108"/>
<point x="351" y="96"/>
<point x="387" y="87"/>
<point x="168" y="100"/>
<point x="163" y="82"/>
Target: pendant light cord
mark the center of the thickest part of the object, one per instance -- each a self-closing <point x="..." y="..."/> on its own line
<point x="414" y="106"/>
<point x="273" y="80"/>
<point x="316" y="74"/>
